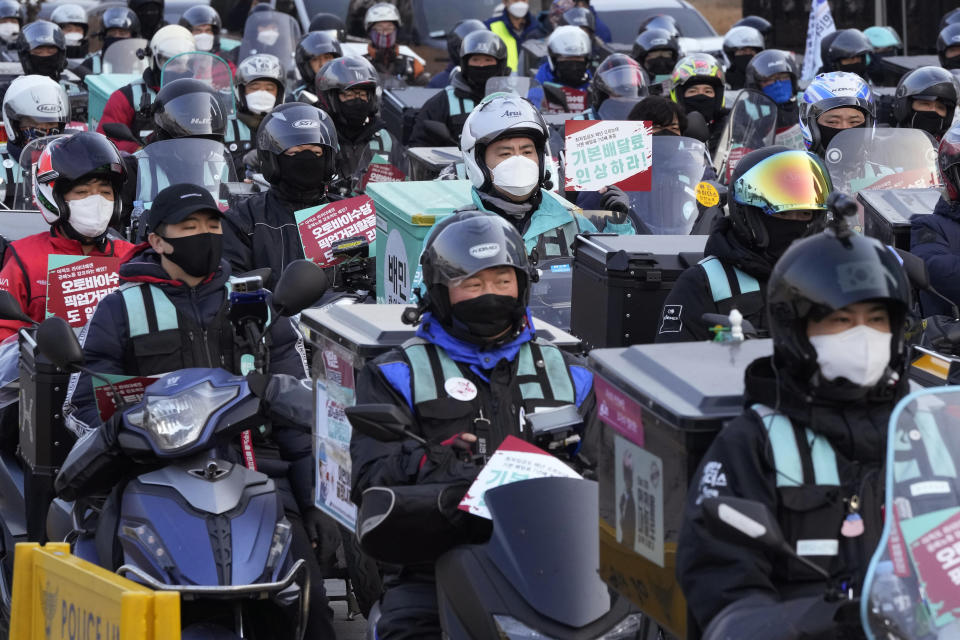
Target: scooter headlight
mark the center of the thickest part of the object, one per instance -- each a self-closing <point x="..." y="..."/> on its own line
<point x="176" y="421"/>
<point x="513" y="629"/>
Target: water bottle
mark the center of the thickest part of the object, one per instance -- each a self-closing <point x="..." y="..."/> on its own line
<point x="891" y="597"/>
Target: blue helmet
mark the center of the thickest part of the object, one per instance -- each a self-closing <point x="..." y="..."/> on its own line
<point x="830" y="91"/>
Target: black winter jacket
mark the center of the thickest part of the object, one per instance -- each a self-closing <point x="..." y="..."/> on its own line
<point x="437" y="109"/>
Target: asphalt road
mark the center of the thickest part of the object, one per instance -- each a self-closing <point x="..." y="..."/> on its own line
<point x="346" y="629"/>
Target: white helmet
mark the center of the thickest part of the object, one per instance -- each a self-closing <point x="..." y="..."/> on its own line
<point x="500" y="115"/>
<point x="381" y="12"/>
<point x="38" y="97"/>
<point x="169" y="41"/>
<point x="69" y="14"/>
<point x="567" y="40"/>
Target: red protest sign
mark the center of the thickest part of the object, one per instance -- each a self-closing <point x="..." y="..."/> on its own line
<point x="733" y="158"/>
<point x="130" y="391"/>
<point x="576" y="101"/>
<point x="380" y="172"/>
<point x="936" y="555"/>
<point x="599" y="153"/>
<point x="320" y="227"/>
<point x="75" y="284"/>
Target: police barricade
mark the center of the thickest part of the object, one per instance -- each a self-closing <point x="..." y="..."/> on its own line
<point x="57" y="596"/>
<point x="660" y="406"/>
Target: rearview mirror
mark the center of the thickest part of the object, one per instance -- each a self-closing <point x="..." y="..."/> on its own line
<point x="58" y="344"/>
<point x="10" y="309"/>
<point x="697" y="127"/>
<point x="120" y="131"/>
<point x="916" y="269"/>
<point x="301" y="285"/>
<point x="383" y="422"/>
<point x="554" y="93"/>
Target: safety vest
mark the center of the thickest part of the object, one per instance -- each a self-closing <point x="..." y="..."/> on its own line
<point x="732" y="288"/>
<point x="141" y="99"/>
<point x="237" y="138"/>
<point x="786" y="441"/>
<point x="513" y="55"/>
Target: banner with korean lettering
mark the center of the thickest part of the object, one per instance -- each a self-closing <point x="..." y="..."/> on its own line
<point x="819" y="25"/>
<point x="322" y="226"/>
<point x="130" y="389"/>
<point x="75" y="284"/>
<point x="600" y="153"/>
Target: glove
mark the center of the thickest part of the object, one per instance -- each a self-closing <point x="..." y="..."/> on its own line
<point x="314" y="521"/>
<point x="449" y="461"/>
<point x="614" y="199"/>
<point x="258" y="383"/>
<point x="759" y="616"/>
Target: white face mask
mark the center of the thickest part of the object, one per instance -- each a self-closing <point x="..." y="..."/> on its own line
<point x="90" y="216"/>
<point x="519" y="9"/>
<point x="73" y="38"/>
<point x="261" y="101"/>
<point x="9" y="31"/>
<point x="204" y="41"/>
<point x="517" y="175"/>
<point x="860" y="355"/>
<point x="268" y="37"/>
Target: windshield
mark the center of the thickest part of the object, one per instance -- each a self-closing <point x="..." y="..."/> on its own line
<point x="443" y="14"/>
<point x="194" y="160"/>
<point x="519" y="85"/>
<point x="624" y="23"/>
<point x="121" y="57"/>
<point x="208" y="68"/>
<point x="550" y="295"/>
<point x="752" y="124"/>
<point x="271" y="32"/>
<point x="670" y="207"/>
<point x="859" y="159"/>
<point x="913" y="576"/>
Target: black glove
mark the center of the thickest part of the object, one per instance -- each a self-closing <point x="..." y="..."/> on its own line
<point x="448" y="462"/>
<point x="314" y="521"/>
<point x="258" y="383"/>
<point x="614" y="199"/>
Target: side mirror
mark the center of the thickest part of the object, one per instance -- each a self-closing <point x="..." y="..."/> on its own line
<point x="59" y="344"/>
<point x="697" y="127"/>
<point x="10" y="309"/>
<point x="302" y="284"/>
<point x="916" y="269"/>
<point x="554" y="94"/>
<point x="439" y="131"/>
<point x="383" y="422"/>
<point x="120" y="131"/>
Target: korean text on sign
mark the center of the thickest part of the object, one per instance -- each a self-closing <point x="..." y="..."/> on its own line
<point x="75" y="284"/>
<point x="600" y="153"/>
<point x="320" y="227"/>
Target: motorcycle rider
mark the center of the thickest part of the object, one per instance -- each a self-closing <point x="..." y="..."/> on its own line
<point x="833" y="102"/>
<point x="809" y="446"/>
<point x="349" y="91"/>
<point x="657" y="51"/>
<point x="259" y="87"/>
<point x="586" y="19"/>
<point x="119" y="23"/>
<point x="330" y="24"/>
<point x="567" y="64"/>
<point x="774" y="73"/>
<point x="936" y="238"/>
<point x="150" y="14"/>
<point x="482" y="56"/>
<point x="298" y="162"/>
<point x="12" y="17"/>
<point x="619" y="76"/>
<point x="697" y="84"/>
<point x="314" y="50"/>
<point x="740" y="45"/>
<point x="475" y="330"/>
<point x="204" y="23"/>
<point x="33" y="107"/>
<point x="926" y="99"/>
<point x="514" y="26"/>
<point x="172" y="313"/>
<point x="42" y="50"/>
<point x="885" y="42"/>
<point x="78" y="202"/>
<point x="765" y="218"/>
<point x="601" y="30"/>
<point x="131" y="104"/>
<point x="948" y="46"/>
<point x="72" y="20"/>
<point x="848" y="51"/>
<point x="454" y="40"/>
<point x="382" y="24"/>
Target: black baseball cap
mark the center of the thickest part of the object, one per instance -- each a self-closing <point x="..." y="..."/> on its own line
<point x="178" y="201"/>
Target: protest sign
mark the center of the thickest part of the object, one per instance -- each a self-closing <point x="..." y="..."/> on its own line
<point x="604" y="152"/>
<point x="75" y="284"/>
<point x="129" y="388"/>
<point x="381" y="172"/>
<point x="321" y="226"/>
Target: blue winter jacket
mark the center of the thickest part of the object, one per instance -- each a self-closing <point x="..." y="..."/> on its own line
<point x="602" y="30"/>
<point x="545" y="74"/>
<point x="936" y="239"/>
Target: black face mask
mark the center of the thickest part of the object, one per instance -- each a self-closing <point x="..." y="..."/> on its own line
<point x="149" y="19"/>
<point x="737" y="73"/>
<point x="487" y="316"/>
<point x="571" y="72"/>
<point x="659" y="66"/>
<point x="859" y="68"/>
<point x="198" y="255"/>
<point x="44" y="66"/>
<point x="354" y="112"/>
<point x="477" y="77"/>
<point x="304" y="170"/>
<point x="79" y="51"/>
<point x="827" y="133"/>
<point x="952" y="63"/>
<point x="780" y="233"/>
<point x="929" y="121"/>
<point x="705" y="105"/>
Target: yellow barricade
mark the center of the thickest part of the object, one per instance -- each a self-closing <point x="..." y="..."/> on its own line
<point x="58" y="596"/>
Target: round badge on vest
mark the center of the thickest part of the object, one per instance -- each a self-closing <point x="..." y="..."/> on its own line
<point x="460" y="389"/>
<point x="8" y="163"/>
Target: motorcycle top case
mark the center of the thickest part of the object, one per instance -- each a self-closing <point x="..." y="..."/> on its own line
<point x="660" y="406"/>
<point x="620" y="283"/>
<point x="101" y="86"/>
<point x="426" y="163"/>
<point x="887" y="212"/>
<point x="405" y="213"/>
<point x="400" y="108"/>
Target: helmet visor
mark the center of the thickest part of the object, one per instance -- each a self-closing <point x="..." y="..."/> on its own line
<point x="623" y="82"/>
<point x="788" y="181"/>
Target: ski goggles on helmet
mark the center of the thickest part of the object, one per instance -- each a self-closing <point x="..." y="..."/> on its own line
<point x="788" y="181"/>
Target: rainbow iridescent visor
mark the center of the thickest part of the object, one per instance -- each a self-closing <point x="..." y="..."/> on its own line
<point x="788" y="181"/>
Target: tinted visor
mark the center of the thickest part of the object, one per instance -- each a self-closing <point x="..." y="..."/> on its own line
<point x="623" y="82"/>
<point x="789" y="181"/>
<point x="192" y="114"/>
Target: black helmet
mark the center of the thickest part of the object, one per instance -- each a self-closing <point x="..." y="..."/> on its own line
<point x="290" y="125"/>
<point x="482" y="43"/>
<point x="618" y="76"/>
<point x="13" y="9"/>
<point x="329" y="23"/>
<point x="925" y="83"/>
<point x="661" y="21"/>
<point x="203" y="14"/>
<point x="120" y="18"/>
<point x="150" y="13"/>
<point x="315" y="43"/>
<point x="768" y="63"/>
<point x="949" y="37"/>
<point x="348" y="73"/>
<point x="464" y="244"/>
<point x="849" y="43"/>
<point x="655" y="40"/>
<point x="580" y="17"/>
<point x="263" y="6"/>
<point x="757" y="191"/>
<point x="950" y="17"/>
<point x="823" y="273"/>
<point x="42" y="34"/>
<point x="458" y="33"/>
<point x="760" y="24"/>
<point x="948" y="164"/>
<point x="188" y="108"/>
